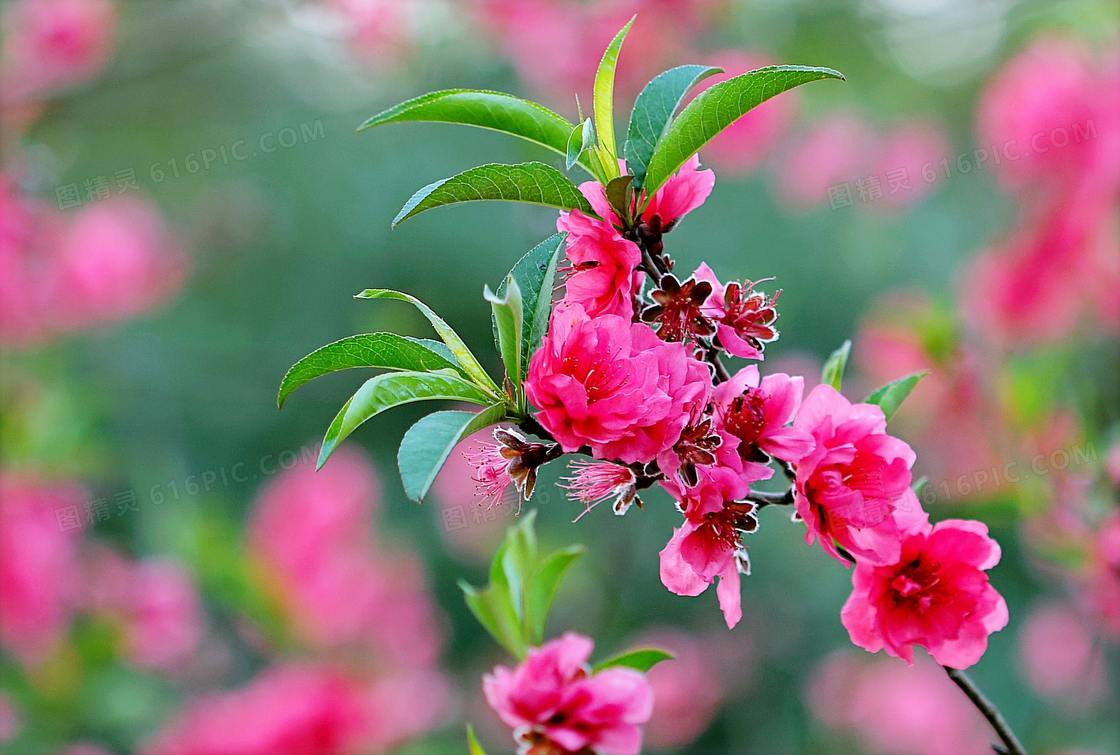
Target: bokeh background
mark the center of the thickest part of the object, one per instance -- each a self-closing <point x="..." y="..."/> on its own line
<point x="187" y="209"/>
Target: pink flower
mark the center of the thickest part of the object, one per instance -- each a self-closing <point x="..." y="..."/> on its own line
<point x="39" y="525"/>
<point x="296" y="710"/>
<point x="595" y="482"/>
<point x="892" y="709"/>
<point x="490" y="472"/>
<point x="687" y="692"/>
<point x="697" y="554"/>
<point x="469" y="523"/>
<point x="1060" y="658"/>
<point x="834" y="152"/>
<point x="744" y="144"/>
<point x="744" y="317"/>
<point x="853" y="488"/>
<point x="1051" y="115"/>
<point x="1104" y="575"/>
<point x="54" y="43"/>
<point x="28" y="232"/>
<point x="758" y="412"/>
<point x="613" y="386"/>
<point x="1035" y="286"/>
<point x="903" y="160"/>
<point x="551" y="698"/>
<point x="378" y="30"/>
<point x="311" y="535"/>
<point x="603" y="279"/>
<point x="685" y="190"/>
<point x="935" y="594"/>
<point x="116" y="259"/>
<point x="728" y="479"/>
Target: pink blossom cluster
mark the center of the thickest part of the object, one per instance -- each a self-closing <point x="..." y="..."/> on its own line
<point x="366" y="677"/>
<point x="630" y="375"/>
<point x="1057" y="105"/>
<point x="555" y="703"/>
<point x="50" y="575"/>
<point x="62" y="273"/>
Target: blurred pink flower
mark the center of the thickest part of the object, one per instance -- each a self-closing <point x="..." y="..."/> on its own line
<point x="687" y="691"/>
<point x="894" y="709"/>
<point x="613" y="385"/>
<point x="83" y="748"/>
<point x="295" y="710"/>
<point x="311" y="533"/>
<point x="28" y="229"/>
<point x="853" y="488"/>
<point x="903" y="159"/>
<point x="743" y="145"/>
<point x="935" y="595"/>
<point x="378" y="30"/>
<point x="1039" y="284"/>
<point x="50" y="44"/>
<point x="39" y="527"/>
<point x="551" y="698"/>
<point x="1059" y="657"/>
<point x="1053" y="117"/>
<point x="836" y="150"/>
<point x="1104" y="575"/>
<point x="116" y="259"/>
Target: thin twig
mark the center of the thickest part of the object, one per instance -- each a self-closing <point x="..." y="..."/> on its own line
<point x="764" y="498"/>
<point x="1011" y="744"/>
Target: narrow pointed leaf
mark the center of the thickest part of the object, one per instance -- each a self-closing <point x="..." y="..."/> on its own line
<point x="473" y="746"/>
<point x="428" y="443"/>
<point x="509" y="319"/>
<point x="641" y="660"/>
<point x="532" y="182"/>
<point x="543" y="586"/>
<point x="833" y="371"/>
<point x="603" y="97"/>
<point x="653" y="110"/>
<point x="458" y="348"/>
<point x="496" y="111"/>
<point x="376" y="350"/>
<point x="393" y="389"/>
<point x="889" y="397"/>
<point x="580" y="141"/>
<point x="535" y="274"/>
<point x="493" y="610"/>
<point x="717" y="108"/>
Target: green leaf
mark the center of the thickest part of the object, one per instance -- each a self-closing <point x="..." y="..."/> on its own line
<point x="393" y="389"/>
<point x="718" y="107"/>
<point x="580" y="140"/>
<point x="509" y="320"/>
<point x="378" y="350"/>
<point x="496" y="111"/>
<point x="492" y="608"/>
<point x="543" y="586"/>
<point x="618" y="196"/>
<point x="641" y="660"/>
<point x="833" y="371"/>
<point x="533" y="183"/>
<point x="653" y="110"/>
<point x="889" y="397"/>
<point x="603" y="100"/>
<point x="428" y="443"/>
<point x="535" y="274"/>
<point x="458" y="348"/>
<point x="919" y="485"/>
<point x="473" y="746"/>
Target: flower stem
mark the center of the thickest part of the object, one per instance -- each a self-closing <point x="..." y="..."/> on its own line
<point x="1011" y="744"/>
